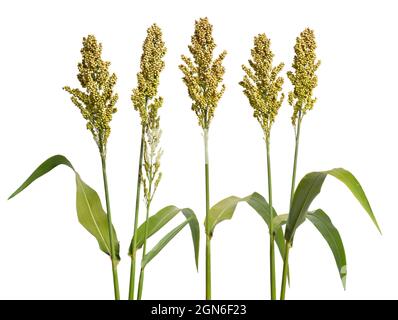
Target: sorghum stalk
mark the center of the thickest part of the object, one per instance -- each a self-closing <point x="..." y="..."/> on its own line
<point x="145" y="101"/>
<point x="262" y="86"/>
<point x="271" y="227"/>
<point x="208" y="239"/>
<point x="111" y="240"/>
<point x="142" y="270"/>
<point x="203" y="76"/>
<point x="137" y="209"/>
<point x="304" y="81"/>
<point x="97" y="105"/>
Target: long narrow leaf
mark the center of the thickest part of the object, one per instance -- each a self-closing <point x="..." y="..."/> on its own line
<point x="92" y="216"/>
<point x="224" y="210"/>
<point x="90" y="213"/>
<point x="155" y="223"/>
<point x="310" y="186"/>
<point x="329" y="232"/>
<point x="160" y="219"/>
<point x="261" y="206"/>
<point x="41" y="170"/>
<point x="353" y="184"/>
<point x="195" y="232"/>
<point x="162" y="243"/>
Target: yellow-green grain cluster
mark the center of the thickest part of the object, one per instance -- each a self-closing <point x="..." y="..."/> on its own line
<point x="97" y="101"/>
<point x="202" y="74"/>
<point x="303" y="79"/>
<point x="261" y="83"/>
<point x="147" y="102"/>
<point x="144" y="96"/>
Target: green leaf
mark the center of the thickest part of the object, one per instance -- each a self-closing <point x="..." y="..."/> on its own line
<point x="310" y="186"/>
<point x="155" y="223"/>
<point x="352" y="183"/>
<point x="224" y="210"/>
<point x="195" y="232"/>
<point x="88" y="204"/>
<point x="92" y="216"/>
<point x="160" y="219"/>
<point x="325" y="226"/>
<point x="163" y="242"/>
<point x="45" y="167"/>
<point x="261" y="206"/>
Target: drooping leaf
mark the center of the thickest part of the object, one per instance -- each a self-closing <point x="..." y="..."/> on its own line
<point x="88" y="204"/>
<point x="310" y="186"/>
<point x="155" y="222"/>
<point x="162" y="243"/>
<point x="195" y="232"/>
<point x="261" y="206"/>
<point x="160" y="219"/>
<point x="92" y="216"/>
<point x="353" y="184"/>
<point x="169" y="236"/>
<point x="224" y="210"/>
<point x="329" y="232"/>
<point x="41" y="170"/>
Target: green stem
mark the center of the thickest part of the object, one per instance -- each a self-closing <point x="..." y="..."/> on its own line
<point x="208" y="239"/>
<point x="141" y="280"/>
<point x="287" y="244"/>
<point x="110" y="229"/>
<point x="137" y="209"/>
<point x="296" y="149"/>
<point x="271" y="228"/>
<point x="285" y="270"/>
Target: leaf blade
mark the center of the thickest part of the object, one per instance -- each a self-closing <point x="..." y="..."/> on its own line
<point x="155" y="223"/>
<point x="332" y="236"/>
<point x="41" y="170"/>
<point x="306" y="191"/>
<point x="224" y="210"/>
<point x="195" y="232"/>
<point x="356" y="189"/>
<point x="93" y="218"/>
<point x="261" y="206"/>
<point x="162" y="243"/>
<point x="88" y="204"/>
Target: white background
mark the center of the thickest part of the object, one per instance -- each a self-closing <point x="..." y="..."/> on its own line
<point x="45" y="253"/>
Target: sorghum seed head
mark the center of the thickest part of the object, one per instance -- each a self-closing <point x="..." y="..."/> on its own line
<point x="148" y="78"/>
<point x="97" y="101"/>
<point x="303" y="78"/>
<point x="202" y="74"/>
<point x="261" y="83"/>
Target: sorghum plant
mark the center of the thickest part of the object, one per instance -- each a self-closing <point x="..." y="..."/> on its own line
<point x="96" y="103"/>
<point x="203" y="77"/>
<point x="304" y="80"/>
<point x="146" y="103"/>
<point x="262" y="86"/>
<point x="146" y="100"/>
